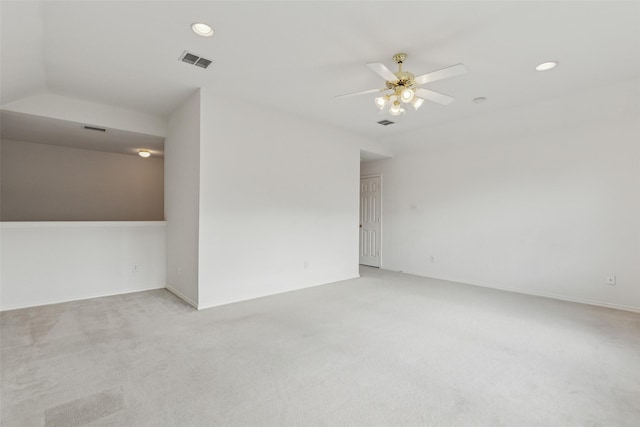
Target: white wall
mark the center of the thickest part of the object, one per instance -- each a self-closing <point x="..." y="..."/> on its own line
<point x="182" y="194"/>
<point x="51" y="262"/>
<point x="278" y="202"/>
<point x="42" y="182"/>
<point x="548" y="210"/>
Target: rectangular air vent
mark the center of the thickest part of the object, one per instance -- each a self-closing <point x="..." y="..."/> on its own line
<point x="193" y="59"/>
<point x="386" y="122"/>
<point x="204" y="63"/>
<point x="96" y="128"/>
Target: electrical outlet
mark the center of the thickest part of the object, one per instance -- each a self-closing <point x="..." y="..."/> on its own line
<point x="611" y="279"/>
<point x="432" y="259"/>
<point x="135" y="268"/>
<point x="306" y="265"/>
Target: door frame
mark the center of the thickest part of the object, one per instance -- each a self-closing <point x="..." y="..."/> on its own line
<point x="373" y="175"/>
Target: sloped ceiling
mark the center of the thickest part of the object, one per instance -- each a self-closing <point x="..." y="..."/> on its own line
<point x="22" y="71"/>
<point x="296" y="56"/>
<point x="38" y="129"/>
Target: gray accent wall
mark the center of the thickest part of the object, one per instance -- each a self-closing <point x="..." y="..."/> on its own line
<point x="42" y="182"/>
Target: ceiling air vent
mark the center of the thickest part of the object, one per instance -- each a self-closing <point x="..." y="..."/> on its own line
<point x="386" y="122"/>
<point x="193" y="59"/>
<point x="96" y="128"/>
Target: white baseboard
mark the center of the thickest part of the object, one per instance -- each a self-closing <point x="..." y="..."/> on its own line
<point x="71" y="299"/>
<point x="167" y="287"/>
<point x="583" y="301"/>
<point x="538" y="294"/>
<point x="218" y="304"/>
<point x="182" y="297"/>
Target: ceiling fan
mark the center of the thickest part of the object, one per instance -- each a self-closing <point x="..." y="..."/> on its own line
<point x="404" y="88"/>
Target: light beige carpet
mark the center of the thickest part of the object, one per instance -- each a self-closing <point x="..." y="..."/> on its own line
<point x="387" y="349"/>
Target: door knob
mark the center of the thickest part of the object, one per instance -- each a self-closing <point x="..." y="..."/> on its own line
<point x="360" y="225"/>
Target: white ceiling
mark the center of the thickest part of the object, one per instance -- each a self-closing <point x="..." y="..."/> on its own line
<point x="296" y="56"/>
<point x="45" y="130"/>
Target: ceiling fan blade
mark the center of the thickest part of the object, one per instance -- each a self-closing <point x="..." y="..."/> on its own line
<point x="434" y="96"/>
<point x="364" y="92"/>
<point x="383" y="71"/>
<point x="454" y="70"/>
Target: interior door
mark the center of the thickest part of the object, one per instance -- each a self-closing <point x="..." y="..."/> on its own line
<point x="370" y="216"/>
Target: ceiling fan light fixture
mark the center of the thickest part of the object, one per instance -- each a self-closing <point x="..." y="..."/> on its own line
<point x="406" y="94"/>
<point x="381" y="101"/>
<point x="396" y="109"/>
<point x="202" y="29"/>
<point x="405" y="88"/>
<point x="417" y="102"/>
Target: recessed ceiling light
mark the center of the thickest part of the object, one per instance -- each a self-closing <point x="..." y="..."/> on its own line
<point x="202" y="29"/>
<point x="546" y="66"/>
<point x="144" y="153"/>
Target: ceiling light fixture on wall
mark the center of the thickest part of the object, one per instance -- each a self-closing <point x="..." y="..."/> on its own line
<point x="202" y="29"/>
<point x="144" y="153"/>
<point x="546" y="66"/>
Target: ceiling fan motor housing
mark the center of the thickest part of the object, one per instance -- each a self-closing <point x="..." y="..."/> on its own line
<point x="405" y="79"/>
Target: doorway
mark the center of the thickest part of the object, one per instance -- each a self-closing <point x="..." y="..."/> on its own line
<point x="370" y="219"/>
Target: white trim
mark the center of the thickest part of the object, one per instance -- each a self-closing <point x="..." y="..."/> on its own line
<point x="584" y="301"/>
<point x="204" y="307"/>
<point x="64" y="300"/>
<point x="73" y="224"/>
<point x="538" y="294"/>
<point x="182" y="297"/>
